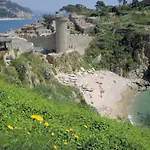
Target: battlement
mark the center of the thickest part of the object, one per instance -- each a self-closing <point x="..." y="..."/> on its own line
<point x="79" y="35"/>
<point x="38" y="36"/>
<point x="61" y="18"/>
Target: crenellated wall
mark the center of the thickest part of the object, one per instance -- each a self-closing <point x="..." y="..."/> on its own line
<point x="77" y="42"/>
<point x="47" y="42"/>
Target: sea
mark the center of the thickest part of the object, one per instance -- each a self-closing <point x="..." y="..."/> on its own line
<point x="139" y="110"/>
<point x="6" y="25"/>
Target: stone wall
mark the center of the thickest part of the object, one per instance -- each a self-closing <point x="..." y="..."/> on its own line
<point x="47" y="42"/>
<point x="22" y="44"/>
<point x="79" y="42"/>
<point x="76" y="42"/>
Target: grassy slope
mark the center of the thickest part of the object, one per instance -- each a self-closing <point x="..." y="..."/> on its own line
<point x="17" y="105"/>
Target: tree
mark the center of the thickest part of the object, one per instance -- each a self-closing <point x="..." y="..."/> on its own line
<point x="73" y="8"/>
<point x="100" y="4"/>
<point x="69" y="8"/>
<point x="48" y="19"/>
<point x="78" y="8"/>
<point x="135" y="3"/>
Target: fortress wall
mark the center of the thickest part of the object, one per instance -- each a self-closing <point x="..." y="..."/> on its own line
<point x="47" y="42"/>
<point x="22" y="44"/>
<point x="79" y="42"/>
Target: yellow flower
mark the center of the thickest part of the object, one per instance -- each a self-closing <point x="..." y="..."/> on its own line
<point x="67" y="130"/>
<point x="71" y="129"/>
<point x="33" y="116"/>
<point x="65" y="143"/>
<point x="85" y="126"/>
<point x="46" y="124"/>
<point x="52" y="134"/>
<point x="76" y="137"/>
<point x="54" y="147"/>
<point x="37" y="117"/>
<point x="10" y="127"/>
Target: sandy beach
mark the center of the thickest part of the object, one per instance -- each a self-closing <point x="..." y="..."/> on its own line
<point x="109" y="93"/>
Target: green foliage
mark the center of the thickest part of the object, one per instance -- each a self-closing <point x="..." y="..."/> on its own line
<point x="73" y="126"/>
<point x="78" y="8"/>
<point x="16" y="51"/>
<point x="73" y="31"/>
<point x="48" y="20"/>
<point x="99" y="4"/>
<point x="31" y="62"/>
<point x="59" y="92"/>
<point x="114" y="52"/>
<point x="119" y="38"/>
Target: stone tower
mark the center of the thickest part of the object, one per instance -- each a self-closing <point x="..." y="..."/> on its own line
<point x="61" y="33"/>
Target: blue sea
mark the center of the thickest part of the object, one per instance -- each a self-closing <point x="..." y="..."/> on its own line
<point x="6" y="25"/>
<point x="139" y="111"/>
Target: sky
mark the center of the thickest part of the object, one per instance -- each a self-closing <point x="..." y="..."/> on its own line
<point x="55" y="5"/>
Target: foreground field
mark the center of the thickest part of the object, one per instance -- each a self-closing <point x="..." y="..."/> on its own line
<point x="29" y="121"/>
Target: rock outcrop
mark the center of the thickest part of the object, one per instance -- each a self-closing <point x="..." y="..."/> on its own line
<point x="66" y="62"/>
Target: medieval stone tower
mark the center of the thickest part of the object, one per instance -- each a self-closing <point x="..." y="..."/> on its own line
<point x="61" y="34"/>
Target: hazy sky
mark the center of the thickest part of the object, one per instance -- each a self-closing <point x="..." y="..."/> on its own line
<point x="54" y="5"/>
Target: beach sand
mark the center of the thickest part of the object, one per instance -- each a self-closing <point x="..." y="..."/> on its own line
<point x="125" y="102"/>
<point x="109" y="93"/>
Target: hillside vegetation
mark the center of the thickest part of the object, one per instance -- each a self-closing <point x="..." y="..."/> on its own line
<point x="38" y="113"/>
<point x="29" y="121"/>
<point x="120" y="37"/>
<point x="9" y="9"/>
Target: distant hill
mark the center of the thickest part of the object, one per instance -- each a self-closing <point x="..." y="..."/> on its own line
<point x="9" y="9"/>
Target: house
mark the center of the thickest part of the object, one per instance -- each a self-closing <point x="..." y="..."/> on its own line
<point x="5" y="43"/>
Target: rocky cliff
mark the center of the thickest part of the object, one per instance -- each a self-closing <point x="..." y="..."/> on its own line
<point x="67" y="62"/>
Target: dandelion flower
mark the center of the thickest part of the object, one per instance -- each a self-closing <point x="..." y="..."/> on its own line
<point x="76" y="137"/>
<point x="46" y="124"/>
<point x="67" y="130"/>
<point x="71" y="129"/>
<point x="52" y="134"/>
<point x="65" y="143"/>
<point x="10" y="127"/>
<point x="33" y="116"/>
<point x="37" y="117"/>
<point x="85" y="126"/>
<point x="54" y="147"/>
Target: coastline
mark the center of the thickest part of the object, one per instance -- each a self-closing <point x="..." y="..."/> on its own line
<point x="106" y="91"/>
<point x="7" y="19"/>
<point x="126" y="100"/>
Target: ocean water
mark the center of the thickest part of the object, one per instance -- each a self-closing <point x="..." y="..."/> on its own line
<point x="139" y="111"/>
<point x="6" y="25"/>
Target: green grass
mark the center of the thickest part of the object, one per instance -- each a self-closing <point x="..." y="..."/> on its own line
<point x="18" y="104"/>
